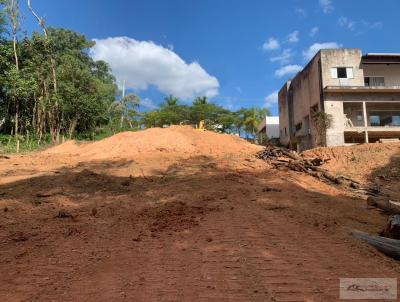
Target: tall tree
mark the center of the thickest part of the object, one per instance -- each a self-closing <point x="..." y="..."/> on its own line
<point x="171" y="100"/>
<point x="252" y="118"/>
<point x="128" y="106"/>
<point x="56" y="123"/>
<point x="200" y="100"/>
<point x="13" y="14"/>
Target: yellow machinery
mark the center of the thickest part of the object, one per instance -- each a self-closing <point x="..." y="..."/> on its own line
<point x="200" y="126"/>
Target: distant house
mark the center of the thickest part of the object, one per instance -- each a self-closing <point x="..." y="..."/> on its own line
<point x="358" y="96"/>
<point x="270" y="125"/>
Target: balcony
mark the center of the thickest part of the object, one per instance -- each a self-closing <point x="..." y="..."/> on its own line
<point x="361" y="89"/>
<point x="372" y="122"/>
<point x="378" y="115"/>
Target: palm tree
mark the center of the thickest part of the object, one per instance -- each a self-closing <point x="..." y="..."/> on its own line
<point x="126" y="107"/>
<point x="200" y="100"/>
<point x="252" y="118"/>
<point x="171" y="100"/>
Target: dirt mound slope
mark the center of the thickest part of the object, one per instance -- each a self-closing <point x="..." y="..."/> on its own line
<point x="176" y="215"/>
<point x="364" y="162"/>
<point x="376" y="165"/>
<point x="182" y="140"/>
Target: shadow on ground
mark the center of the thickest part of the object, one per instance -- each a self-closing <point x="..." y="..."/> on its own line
<point x="76" y="221"/>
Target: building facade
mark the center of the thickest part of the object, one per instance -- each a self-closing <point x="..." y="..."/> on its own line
<point x="341" y="97"/>
<point x="270" y="126"/>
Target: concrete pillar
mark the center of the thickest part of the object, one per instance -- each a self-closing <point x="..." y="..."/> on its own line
<point x="365" y="122"/>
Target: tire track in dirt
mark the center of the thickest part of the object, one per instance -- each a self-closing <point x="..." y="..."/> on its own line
<point x="244" y="254"/>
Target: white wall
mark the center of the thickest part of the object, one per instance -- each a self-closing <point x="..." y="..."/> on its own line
<point x="272" y="126"/>
<point x="335" y="134"/>
<point x="391" y="73"/>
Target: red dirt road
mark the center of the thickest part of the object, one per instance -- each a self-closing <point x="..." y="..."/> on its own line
<point x="194" y="229"/>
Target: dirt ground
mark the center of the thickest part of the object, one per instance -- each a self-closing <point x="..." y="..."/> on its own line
<point x="178" y="215"/>
<point x="371" y="164"/>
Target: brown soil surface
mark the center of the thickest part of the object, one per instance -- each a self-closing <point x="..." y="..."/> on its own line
<point x="176" y="215"/>
<point x="372" y="164"/>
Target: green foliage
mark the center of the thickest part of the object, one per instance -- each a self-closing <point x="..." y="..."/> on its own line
<point x="214" y="116"/>
<point x="250" y="118"/>
<point x="321" y="122"/>
<point x="27" y="143"/>
<point x="86" y="89"/>
<point x="171" y="101"/>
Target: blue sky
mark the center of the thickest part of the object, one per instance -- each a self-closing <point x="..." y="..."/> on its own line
<point x="237" y="52"/>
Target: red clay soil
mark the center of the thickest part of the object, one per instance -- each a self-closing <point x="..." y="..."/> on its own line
<point x="175" y="215"/>
<point x="372" y="164"/>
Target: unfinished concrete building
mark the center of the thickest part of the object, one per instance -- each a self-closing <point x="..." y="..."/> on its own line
<point x="341" y="97"/>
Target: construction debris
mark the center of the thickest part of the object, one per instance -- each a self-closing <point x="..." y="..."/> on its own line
<point x="392" y="229"/>
<point x="282" y="157"/>
<point x="384" y="204"/>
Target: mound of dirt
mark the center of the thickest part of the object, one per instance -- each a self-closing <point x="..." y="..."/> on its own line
<point x="180" y="140"/>
<point x="363" y="162"/>
<point x="65" y="148"/>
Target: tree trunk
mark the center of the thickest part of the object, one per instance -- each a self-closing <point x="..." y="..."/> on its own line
<point x="43" y="26"/>
<point x="121" y="121"/>
<point x="13" y="15"/>
<point x="16" y="117"/>
<point x="15" y="48"/>
<point x="72" y="127"/>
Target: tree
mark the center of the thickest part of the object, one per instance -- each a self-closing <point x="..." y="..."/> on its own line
<point x="151" y="119"/>
<point x="171" y="101"/>
<point x="201" y="100"/>
<point x="251" y="118"/>
<point x="213" y="115"/>
<point x="321" y="122"/>
<point x="13" y="14"/>
<point x="85" y="93"/>
<point x="56" y="123"/>
<point x="127" y="107"/>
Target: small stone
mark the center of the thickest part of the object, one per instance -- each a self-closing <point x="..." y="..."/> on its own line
<point x="63" y="214"/>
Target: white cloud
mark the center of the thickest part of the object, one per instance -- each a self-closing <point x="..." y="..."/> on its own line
<point x="271" y="99"/>
<point x="314" y="31"/>
<point x="143" y="63"/>
<point x="301" y="12"/>
<point x="284" y="57"/>
<point x="148" y="104"/>
<point x="360" y="26"/>
<point x="229" y="104"/>
<point x="326" y="6"/>
<point x="313" y="49"/>
<point x="287" y="70"/>
<point x="373" y="25"/>
<point x="365" y="25"/>
<point x="293" y="37"/>
<point x="271" y="44"/>
<point x="345" y="22"/>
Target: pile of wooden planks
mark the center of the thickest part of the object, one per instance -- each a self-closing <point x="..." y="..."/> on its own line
<point x="285" y="158"/>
